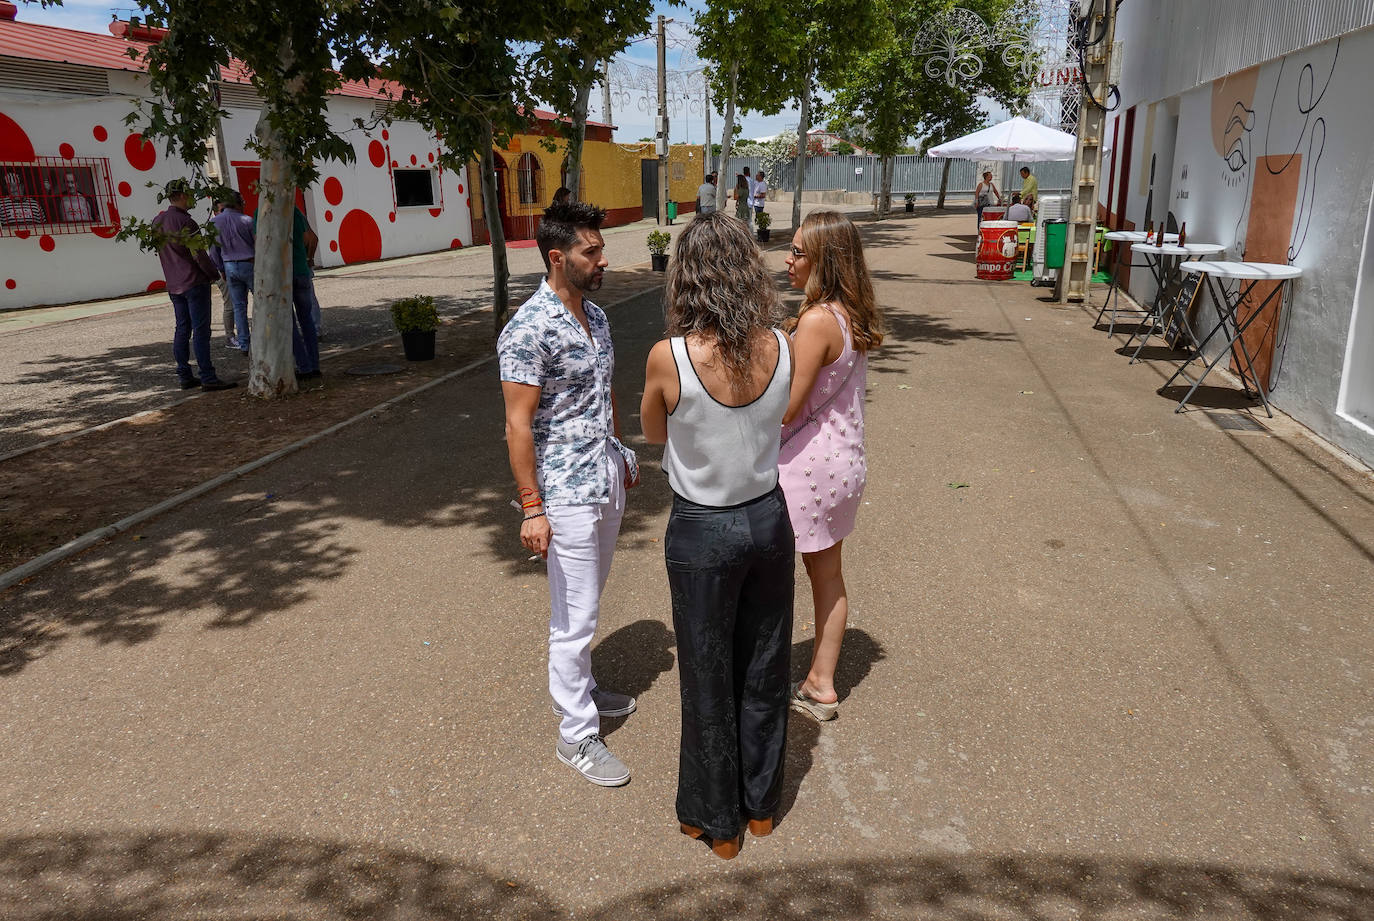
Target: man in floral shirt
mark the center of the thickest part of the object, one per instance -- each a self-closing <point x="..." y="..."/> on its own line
<point x="571" y="469"/>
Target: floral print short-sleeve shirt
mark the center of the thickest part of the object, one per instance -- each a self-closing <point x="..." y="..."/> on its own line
<point x="544" y="345"/>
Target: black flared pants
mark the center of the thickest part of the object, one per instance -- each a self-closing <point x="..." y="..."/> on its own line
<point x="731" y="573"/>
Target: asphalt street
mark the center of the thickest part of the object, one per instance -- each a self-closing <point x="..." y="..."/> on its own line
<point x="1105" y="661"/>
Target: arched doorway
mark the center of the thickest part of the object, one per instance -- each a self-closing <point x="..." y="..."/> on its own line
<point x="502" y="202"/>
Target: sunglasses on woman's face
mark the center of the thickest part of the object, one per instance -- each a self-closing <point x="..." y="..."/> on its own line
<point x="798" y="254"/>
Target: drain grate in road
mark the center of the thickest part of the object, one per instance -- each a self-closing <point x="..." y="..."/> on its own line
<point x="1234" y="422"/>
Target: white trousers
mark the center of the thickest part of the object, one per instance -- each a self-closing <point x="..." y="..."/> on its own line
<point x="579" y="561"/>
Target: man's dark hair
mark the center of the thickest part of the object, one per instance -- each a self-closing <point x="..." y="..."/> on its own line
<point x="1016" y="198"/>
<point x="231" y="199"/>
<point x="561" y="222"/>
<point x="176" y="187"/>
<point x="1025" y="169"/>
<point x="746" y="171"/>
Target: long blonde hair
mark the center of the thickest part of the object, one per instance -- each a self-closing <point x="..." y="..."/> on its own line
<point x="718" y="286"/>
<point x="839" y="275"/>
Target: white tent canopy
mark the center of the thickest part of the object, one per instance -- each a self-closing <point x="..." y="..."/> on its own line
<point x="1018" y="139"/>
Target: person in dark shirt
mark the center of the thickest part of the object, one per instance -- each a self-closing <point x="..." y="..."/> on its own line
<point x="189" y="273"/>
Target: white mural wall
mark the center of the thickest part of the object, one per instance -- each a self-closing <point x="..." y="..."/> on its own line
<point x="353" y="207"/>
<point x="1277" y="163"/>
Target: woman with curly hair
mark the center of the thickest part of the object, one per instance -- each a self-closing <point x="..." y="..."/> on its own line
<point x="715" y="392"/>
<point x="822" y="463"/>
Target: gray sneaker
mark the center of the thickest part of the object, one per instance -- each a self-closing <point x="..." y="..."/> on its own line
<point x="608" y="703"/>
<point x="593" y="760"/>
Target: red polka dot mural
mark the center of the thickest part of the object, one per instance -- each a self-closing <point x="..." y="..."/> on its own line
<point x="391" y="217"/>
<point x="47" y="243"/>
<point x="333" y="191"/>
<point x="109" y="230"/>
<point x="158" y="285"/>
<point x="431" y="158"/>
<point x="456" y="244"/>
<point x="460" y="188"/>
<point x="11" y="283"/>
<point x="334" y="246"/>
<point x="329" y="216"/>
<point x="100" y="134"/>
<point x="14" y="143"/>
<point x="413" y="161"/>
<point x="386" y="135"/>
<point x="125" y="189"/>
<point x="66" y="151"/>
<point x="377" y="154"/>
<point x="360" y="239"/>
<point x="435" y="212"/>
<point x="141" y="154"/>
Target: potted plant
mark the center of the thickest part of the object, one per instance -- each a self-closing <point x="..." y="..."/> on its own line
<point x="658" y="241"/>
<point x="416" y="319"/>
<point x="910" y="202"/>
<point x="761" y="221"/>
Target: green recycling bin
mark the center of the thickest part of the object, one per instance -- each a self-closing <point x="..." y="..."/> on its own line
<point x="1056" y="234"/>
<point x="672" y="211"/>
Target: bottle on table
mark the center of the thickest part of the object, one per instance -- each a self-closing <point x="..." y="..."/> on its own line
<point x="1149" y="233"/>
<point x="1183" y="233"/>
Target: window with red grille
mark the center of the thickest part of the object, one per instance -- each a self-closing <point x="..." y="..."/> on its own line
<point x="54" y="195"/>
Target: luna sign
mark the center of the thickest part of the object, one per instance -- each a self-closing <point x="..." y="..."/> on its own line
<point x="1064" y="75"/>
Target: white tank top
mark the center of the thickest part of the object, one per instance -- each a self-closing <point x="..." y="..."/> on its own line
<point x="720" y="455"/>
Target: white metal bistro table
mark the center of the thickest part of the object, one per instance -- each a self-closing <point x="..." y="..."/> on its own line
<point x="1132" y="237"/>
<point x="1228" y="323"/>
<point x="1169" y="258"/>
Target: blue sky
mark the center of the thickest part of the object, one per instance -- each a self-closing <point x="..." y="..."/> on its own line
<point x="632" y="123"/>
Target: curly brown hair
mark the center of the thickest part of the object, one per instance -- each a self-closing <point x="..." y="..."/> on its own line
<point x="839" y="275"/>
<point x="718" y="287"/>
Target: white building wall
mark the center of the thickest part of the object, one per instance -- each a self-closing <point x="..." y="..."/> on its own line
<point x="66" y="267"/>
<point x="1280" y="153"/>
<point x="362" y="223"/>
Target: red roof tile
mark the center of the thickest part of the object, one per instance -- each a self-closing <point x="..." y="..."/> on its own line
<point x="33" y="42"/>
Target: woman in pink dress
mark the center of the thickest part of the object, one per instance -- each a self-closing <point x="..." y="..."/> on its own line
<point x="822" y="467"/>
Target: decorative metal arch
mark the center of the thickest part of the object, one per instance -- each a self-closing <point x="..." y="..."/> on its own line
<point x="956" y="43"/>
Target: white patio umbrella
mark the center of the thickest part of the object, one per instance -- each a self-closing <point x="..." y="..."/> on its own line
<point x="1017" y="139"/>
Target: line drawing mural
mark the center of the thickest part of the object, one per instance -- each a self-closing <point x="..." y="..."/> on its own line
<point x="1308" y="97"/>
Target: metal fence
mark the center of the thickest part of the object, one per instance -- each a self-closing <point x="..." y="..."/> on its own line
<point x="910" y="174"/>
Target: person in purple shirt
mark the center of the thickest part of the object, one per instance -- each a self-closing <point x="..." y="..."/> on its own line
<point x="189" y="272"/>
<point x="233" y="256"/>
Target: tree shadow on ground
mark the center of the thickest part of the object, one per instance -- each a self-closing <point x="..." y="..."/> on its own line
<point x="907" y="332"/>
<point x="430" y="462"/>
<point x="171" y="876"/>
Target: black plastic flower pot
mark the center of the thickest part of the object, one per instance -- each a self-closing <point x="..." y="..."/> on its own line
<point x="910" y="207"/>
<point x="763" y="236"/>
<point x="660" y="261"/>
<point x="419" y="346"/>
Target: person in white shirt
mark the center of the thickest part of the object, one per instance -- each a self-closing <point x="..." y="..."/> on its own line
<point x="706" y="195"/>
<point x="760" y="192"/>
<point x="1018" y="211"/>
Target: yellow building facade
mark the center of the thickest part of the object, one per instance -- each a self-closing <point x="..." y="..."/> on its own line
<point x="529" y="170"/>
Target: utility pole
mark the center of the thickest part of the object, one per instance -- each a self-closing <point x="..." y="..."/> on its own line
<point x="606" y="92"/>
<point x="661" y="132"/>
<point x="706" y="95"/>
<point x="1076" y="276"/>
